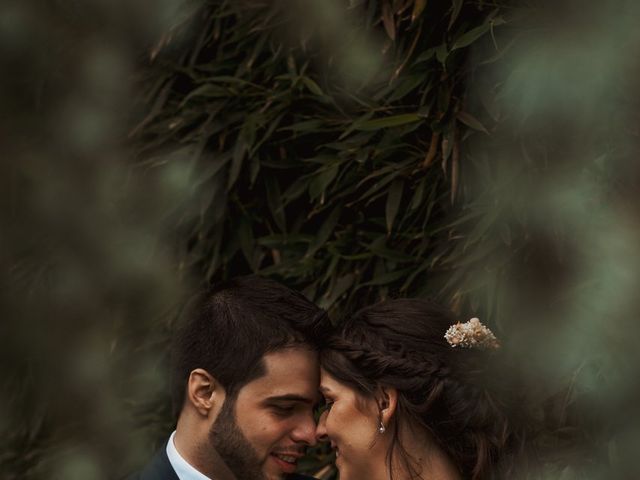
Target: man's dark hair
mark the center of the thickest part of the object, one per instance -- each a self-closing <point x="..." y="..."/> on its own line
<point x="230" y="327"/>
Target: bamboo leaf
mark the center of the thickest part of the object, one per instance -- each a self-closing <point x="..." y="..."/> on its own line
<point x="239" y="152"/>
<point x="341" y="285"/>
<point x="320" y="182"/>
<point x="274" y="200"/>
<point x="393" y="202"/>
<point x="455" y="168"/>
<point x="426" y="55"/>
<point x="254" y="169"/>
<point x="273" y="124"/>
<point x="354" y="126"/>
<point x="295" y="190"/>
<point x="418" y="195"/>
<point x="304" y="126"/>
<point x="382" y="251"/>
<point x="413" y="275"/>
<point x="379" y="185"/>
<point x="386" y="278"/>
<point x="284" y="239"/>
<point x="470" y="121"/>
<point x="331" y="268"/>
<point x="433" y="150"/>
<point x="388" y="20"/>
<point x="405" y="86"/>
<point x="471" y="36"/>
<point x="442" y="52"/>
<point x="391" y="121"/>
<point x="246" y="137"/>
<point x="312" y="86"/>
<point x="325" y="230"/>
<point x="455" y="12"/>
<point x="207" y="90"/>
<point x="247" y="244"/>
<point x="418" y="8"/>
<point x="447" y="145"/>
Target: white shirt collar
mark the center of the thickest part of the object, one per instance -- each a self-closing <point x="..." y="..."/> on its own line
<point x="180" y="465"/>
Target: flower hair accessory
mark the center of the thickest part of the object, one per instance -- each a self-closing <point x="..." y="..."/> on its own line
<point x="471" y="334"/>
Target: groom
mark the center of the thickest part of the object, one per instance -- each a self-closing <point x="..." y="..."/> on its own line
<point x="245" y="381"/>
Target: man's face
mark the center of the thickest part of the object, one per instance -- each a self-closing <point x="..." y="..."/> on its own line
<point x="264" y="431"/>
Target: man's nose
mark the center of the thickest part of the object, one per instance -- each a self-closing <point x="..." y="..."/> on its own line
<point x="321" y="428"/>
<point x="305" y="432"/>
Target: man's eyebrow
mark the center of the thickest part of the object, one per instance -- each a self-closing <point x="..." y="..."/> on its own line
<point x="290" y="397"/>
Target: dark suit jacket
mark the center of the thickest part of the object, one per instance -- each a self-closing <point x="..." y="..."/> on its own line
<point x="159" y="468"/>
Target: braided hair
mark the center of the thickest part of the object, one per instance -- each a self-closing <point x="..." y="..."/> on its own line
<point x="400" y="344"/>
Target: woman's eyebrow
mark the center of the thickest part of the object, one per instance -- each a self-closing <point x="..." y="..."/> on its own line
<point x="324" y="390"/>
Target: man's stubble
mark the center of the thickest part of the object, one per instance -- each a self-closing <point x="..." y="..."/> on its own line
<point x="233" y="447"/>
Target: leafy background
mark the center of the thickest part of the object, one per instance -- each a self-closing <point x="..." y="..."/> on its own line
<point x="480" y="153"/>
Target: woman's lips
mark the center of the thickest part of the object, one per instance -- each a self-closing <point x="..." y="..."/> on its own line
<point x="335" y="449"/>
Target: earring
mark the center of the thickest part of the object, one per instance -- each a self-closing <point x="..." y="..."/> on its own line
<point x="381" y="428"/>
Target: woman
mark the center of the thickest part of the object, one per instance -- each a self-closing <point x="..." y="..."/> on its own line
<point x="404" y="402"/>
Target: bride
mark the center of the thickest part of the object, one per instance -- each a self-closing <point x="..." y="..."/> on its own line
<point x="405" y="397"/>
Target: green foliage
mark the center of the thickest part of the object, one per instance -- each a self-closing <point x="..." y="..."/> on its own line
<point x="482" y="153"/>
<point x="342" y="180"/>
<point x="87" y="278"/>
<point x="414" y="148"/>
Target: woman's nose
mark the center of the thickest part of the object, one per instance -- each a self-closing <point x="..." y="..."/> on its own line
<point x="321" y="428"/>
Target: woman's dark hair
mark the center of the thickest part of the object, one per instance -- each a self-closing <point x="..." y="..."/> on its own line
<point x="229" y="328"/>
<point x="400" y="343"/>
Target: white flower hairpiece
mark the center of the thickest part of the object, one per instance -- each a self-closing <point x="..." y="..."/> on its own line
<point x="471" y="334"/>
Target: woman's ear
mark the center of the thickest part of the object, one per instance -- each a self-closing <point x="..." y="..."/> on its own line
<point x="387" y="399"/>
<point x="204" y="392"/>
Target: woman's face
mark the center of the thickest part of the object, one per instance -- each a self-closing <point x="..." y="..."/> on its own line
<point x="351" y="423"/>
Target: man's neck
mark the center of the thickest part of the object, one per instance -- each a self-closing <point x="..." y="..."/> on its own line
<point x="196" y="449"/>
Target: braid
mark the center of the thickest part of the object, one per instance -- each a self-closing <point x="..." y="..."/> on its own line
<point x="392" y="361"/>
<point x="400" y="344"/>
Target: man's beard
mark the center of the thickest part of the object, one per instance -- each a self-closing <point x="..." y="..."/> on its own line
<point x="233" y="447"/>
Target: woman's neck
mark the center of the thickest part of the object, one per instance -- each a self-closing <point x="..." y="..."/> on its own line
<point x="428" y="460"/>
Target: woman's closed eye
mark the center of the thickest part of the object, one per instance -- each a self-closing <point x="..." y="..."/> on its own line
<point x="326" y="406"/>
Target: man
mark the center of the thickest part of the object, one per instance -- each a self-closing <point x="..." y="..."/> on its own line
<point x="245" y="382"/>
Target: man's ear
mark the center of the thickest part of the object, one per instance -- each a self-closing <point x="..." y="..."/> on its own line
<point x="387" y="399"/>
<point x="204" y="392"/>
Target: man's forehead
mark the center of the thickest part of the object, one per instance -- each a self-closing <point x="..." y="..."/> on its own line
<point x="290" y="355"/>
<point x="291" y="373"/>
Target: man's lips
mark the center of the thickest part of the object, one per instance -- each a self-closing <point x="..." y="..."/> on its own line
<point x="286" y="460"/>
<point x="288" y="456"/>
